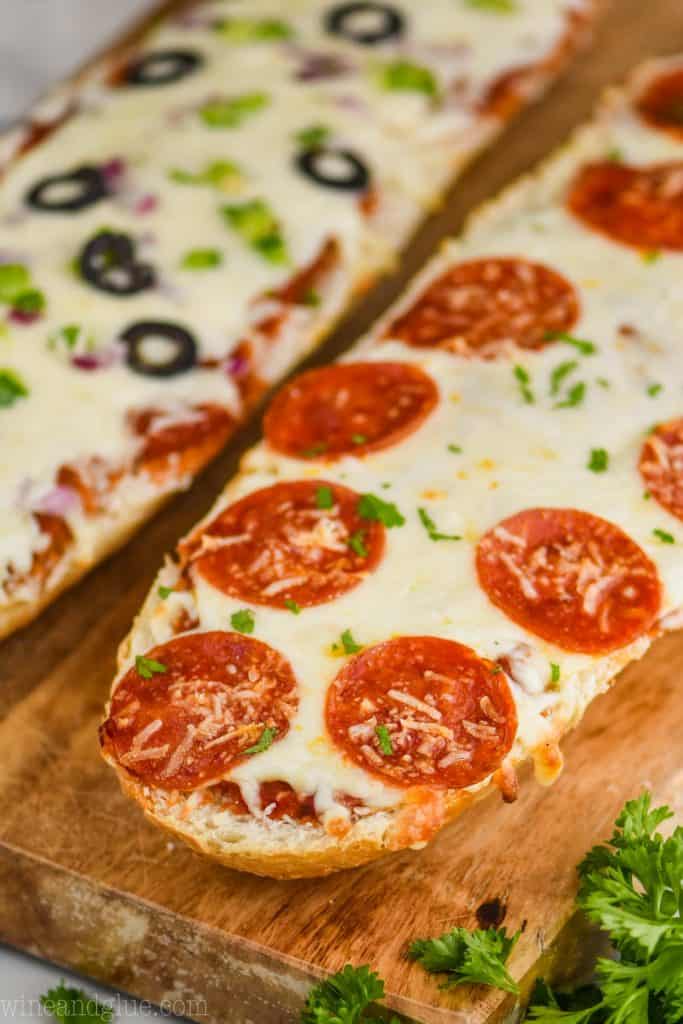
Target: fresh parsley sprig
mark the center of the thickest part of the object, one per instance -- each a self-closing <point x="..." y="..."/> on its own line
<point x="633" y="888"/>
<point x="344" y="998"/>
<point x="73" y="1006"/>
<point x="476" y="957"/>
<point x="348" y="644"/>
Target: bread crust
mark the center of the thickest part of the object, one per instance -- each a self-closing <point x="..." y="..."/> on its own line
<point x="289" y="851"/>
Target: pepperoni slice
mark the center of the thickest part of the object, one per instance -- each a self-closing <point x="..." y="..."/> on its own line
<point x="481" y="307"/>
<point x="209" y="698"/>
<point x="179" y="447"/>
<point x="570" y="577"/>
<point x="637" y="206"/>
<point x="349" y="408"/>
<point x="661" y="103"/>
<point x="419" y="709"/>
<point x="283" y="544"/>
<point x="661" y="466"/>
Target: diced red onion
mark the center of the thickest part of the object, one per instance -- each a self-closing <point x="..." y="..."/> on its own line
<point x="237" y="365"/>
<point x="98" y="360"/>
<point x="113" y="170"/>
<point x="146" y="204"/>
<point x="18" y="316"/>
<point x="316" y="65"/>
<point x="58" y="501"/>
<point x="13" y="256"/>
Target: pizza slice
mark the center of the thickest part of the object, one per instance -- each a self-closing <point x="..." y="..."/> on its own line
<point x="188" y="218"/>
<point x="447" y="544"/>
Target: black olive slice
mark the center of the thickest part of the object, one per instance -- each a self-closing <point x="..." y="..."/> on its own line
<point x="334" y="168"/>
<point x="162" y="67"/>
<point x="365" y="23"/>
<point x="70" y="191"/>
<point x="159" y="348"/>
<point x="107" y="262"/>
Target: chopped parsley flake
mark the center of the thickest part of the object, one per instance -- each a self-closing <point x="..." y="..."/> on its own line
<point x="252" y="30"/>
<point x="524" y="380"/>
<point x="602" y="382"/>
<point x="164" y="592"/>
<point x="575" y="396"/>
<point x="202" y="259"/>
<point x="666" y="538"/>
<point x="405" y="76"/>
<point x="292" y="606"/>
<point x="586" y="348"/>
<point x="466" y="957"/>
<point x="67" y="335"/>
<point x="431" y="527"/>
<point x="554" y="672"/>
<point x="73" y="1006"/>
<point x="651" y="256"/>
<point x="12" y="387"/>
<point x="313" y="137"/>
<point x="372" y="507"/>
<point x="243" y="620"/>
<point x="654" y="389"/>
<point x="493" y="6"/>
<point x="348" y="644"/>
<point x="455" y="448"/>
<point x="598" y="461"/>
<point x="358" y="438"/>
<point x="357" y="543"/>
<point x="30" y="301"/>
<point x="256" y="224"/>
<point x="615" y="154"/>
<point x="265" y="741"/>
<point x="646" y="495"/>
<point x="231" y="112"/>
<point x="148" y="667"/>
<point x="558" y="375"/>
<point x="384" y="740"/>
<point x="324" y="498"/>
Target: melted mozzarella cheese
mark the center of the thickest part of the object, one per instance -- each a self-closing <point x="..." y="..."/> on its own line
<point x="514" y="455"/>
<point x="144" y="134"/>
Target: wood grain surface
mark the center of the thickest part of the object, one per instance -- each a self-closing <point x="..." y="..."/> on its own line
<point x="86" y="882"/>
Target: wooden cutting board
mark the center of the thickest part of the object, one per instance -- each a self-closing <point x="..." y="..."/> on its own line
<point x="86" y="882"/>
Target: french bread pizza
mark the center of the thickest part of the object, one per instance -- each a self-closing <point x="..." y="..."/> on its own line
<point x="186" y="219"/>
<point x="447" y="543"/>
